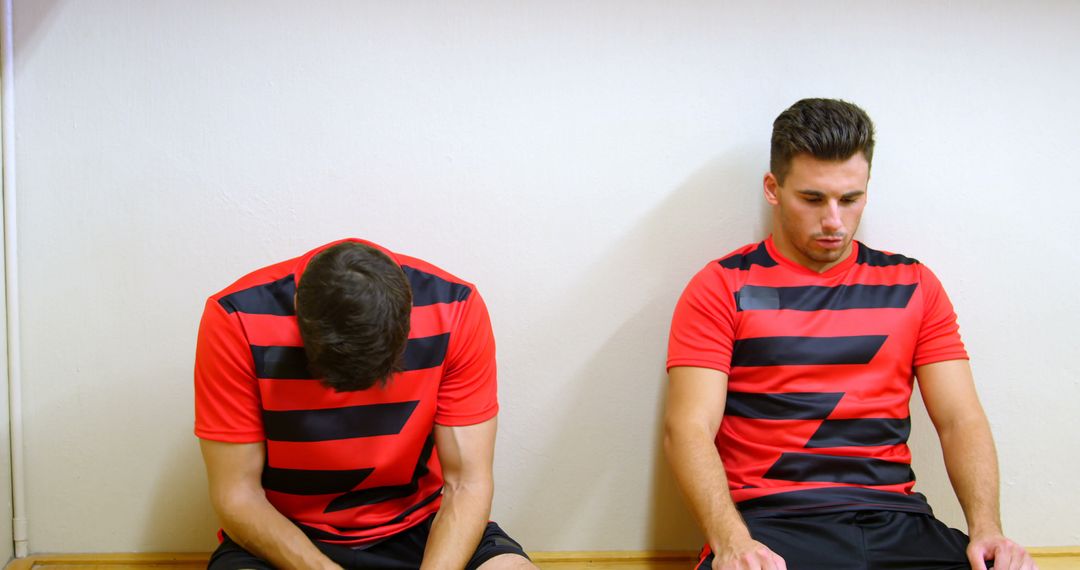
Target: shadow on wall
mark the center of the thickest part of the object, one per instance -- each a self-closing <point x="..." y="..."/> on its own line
<point x="180" y="512"/>
<point x="30" y="19"/>
<point x="604" y="449"/>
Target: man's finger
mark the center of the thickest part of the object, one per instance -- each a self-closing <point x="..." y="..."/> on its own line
<point x="977" y="559"/>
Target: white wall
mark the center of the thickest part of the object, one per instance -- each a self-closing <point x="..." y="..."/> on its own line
<point x="7" y="545"/>
<point x="579" y="161"/>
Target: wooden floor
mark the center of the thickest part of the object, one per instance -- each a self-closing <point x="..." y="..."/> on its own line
<point x="1067" y="558"/>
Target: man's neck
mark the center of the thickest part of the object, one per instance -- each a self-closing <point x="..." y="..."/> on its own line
<point x="792" y="254"/>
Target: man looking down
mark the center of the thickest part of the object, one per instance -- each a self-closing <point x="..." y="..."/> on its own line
<point x="345" y="402"/>
<point x="791" y="365"/>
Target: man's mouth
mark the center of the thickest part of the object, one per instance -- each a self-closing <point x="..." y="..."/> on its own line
<point x="830" y="242"/>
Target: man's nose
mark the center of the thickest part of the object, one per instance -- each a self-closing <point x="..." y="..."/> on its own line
<point x="831" y="222"/>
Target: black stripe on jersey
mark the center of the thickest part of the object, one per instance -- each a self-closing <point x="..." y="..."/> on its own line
<point x="786" y="406"/>
<point x="318" y="534"/>
<point x="337" y="423"/>
<point x="401" y="516"/>
<point x="311" y="481"/>
<point x="426" y="352"/>
<point x="280" y="362"/>
<point x="861" y="432"/>
<point x="428" y="289"/>
<point x="759" y="256"/>
<point x="387" y="493"/>
<point x="290" y="362"/>
<point x="805" y="350"/>
<point x="875" y="258"/>
<point x="273" y="298"/>
<point x="828" y="499"/>
<point x="816" y="298"/>
<point x="807" y="467"/>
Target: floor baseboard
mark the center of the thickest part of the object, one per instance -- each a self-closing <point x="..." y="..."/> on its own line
<point x="1048" y="558"/>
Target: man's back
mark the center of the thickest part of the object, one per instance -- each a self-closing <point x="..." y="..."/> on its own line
<point x="348" y="466"/>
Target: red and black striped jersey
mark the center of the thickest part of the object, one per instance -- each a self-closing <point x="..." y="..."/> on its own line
<point x="820" y="372"/>
<point x="346" y="467"/>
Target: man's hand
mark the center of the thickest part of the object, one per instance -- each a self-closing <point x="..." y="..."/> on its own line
<point x="1006" y="554"/>
<point x="748" y="554"/>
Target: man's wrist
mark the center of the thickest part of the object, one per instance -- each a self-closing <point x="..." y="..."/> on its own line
<point x="730" y="538"/>
<point x="988" y="528"/>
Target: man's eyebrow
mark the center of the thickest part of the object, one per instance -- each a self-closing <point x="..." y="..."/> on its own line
<point x="819" y="193"/>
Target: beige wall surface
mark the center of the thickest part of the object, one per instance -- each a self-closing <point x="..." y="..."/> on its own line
<point x="578" y="160"/>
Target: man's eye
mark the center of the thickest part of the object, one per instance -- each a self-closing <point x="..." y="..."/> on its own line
<point x="812" y="198"/>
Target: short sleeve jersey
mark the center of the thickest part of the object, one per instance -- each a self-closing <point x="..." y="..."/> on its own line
<point x="347" y="468"/>
<point x="820" y="372"/>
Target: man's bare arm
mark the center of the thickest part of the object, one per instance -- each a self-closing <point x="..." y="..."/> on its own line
<point x="948" y="390"/>
<point x="695" y="408"/>
<point x="466" y="454"/>
<point x="234" y="471"/>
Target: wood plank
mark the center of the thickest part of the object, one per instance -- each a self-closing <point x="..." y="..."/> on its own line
<point x="1048" y="558"/>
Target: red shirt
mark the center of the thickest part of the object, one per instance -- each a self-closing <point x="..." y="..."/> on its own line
<point x="820" y="371"/>
<point x="346" y="467"/>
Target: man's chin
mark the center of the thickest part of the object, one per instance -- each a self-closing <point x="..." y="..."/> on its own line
<point x="826" y="256"/>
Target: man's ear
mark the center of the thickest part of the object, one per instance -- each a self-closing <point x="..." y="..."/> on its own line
<point x="772" y="186"/>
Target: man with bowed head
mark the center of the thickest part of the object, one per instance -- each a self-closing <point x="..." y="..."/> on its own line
<point x="345" y="402"/>
<point x="791" y="364"/>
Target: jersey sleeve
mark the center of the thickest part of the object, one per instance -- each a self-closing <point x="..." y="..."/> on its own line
<point x="226" y="390"/>
<point x="703" y="327"/>
<point x="939" y="334"/>
<point x="467" y="392"/>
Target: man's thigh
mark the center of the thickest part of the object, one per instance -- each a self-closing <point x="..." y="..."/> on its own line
<point x="406" y="550"/>
<point x="899" y="541"/>
<point x="497" y="551"/>
<point x="231" y="556"/>
<point x="812" y="542"/>
<point x="876" y="540"/>
<point x="402" y="551"/>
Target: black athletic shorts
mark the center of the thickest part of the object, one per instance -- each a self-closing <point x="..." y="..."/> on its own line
<point x="402" y="550"/>
<point x="859" y="540"/>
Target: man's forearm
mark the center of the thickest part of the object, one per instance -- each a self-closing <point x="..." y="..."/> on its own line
<point x="254" y="524"/>
<point x="458" y="526"/>
<point x="701" y="475"/>
<point x="970" y="458"/>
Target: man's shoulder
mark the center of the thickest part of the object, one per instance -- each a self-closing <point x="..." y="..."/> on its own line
<point x="726" y="272"/>
<point x="432" y="285"/>
<point x="267" y="290"/>
<point x="745" y="258"/>
<point x="871" y="257"/>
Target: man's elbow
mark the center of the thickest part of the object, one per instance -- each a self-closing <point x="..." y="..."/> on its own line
<point x="473" y="490"/>
<point x="234" y="503"/>
<point x="680" y="434"/>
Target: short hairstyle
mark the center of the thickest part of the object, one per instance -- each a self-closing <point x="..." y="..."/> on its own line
<point x="353" y="305"/>
<point x="827" y="129"/>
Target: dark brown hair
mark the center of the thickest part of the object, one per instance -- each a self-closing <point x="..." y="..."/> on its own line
<point x="353" y="306"/>
<point x="827" y="129"/>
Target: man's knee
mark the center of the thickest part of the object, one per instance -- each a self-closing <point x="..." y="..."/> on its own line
<point x="507" y="562"/>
